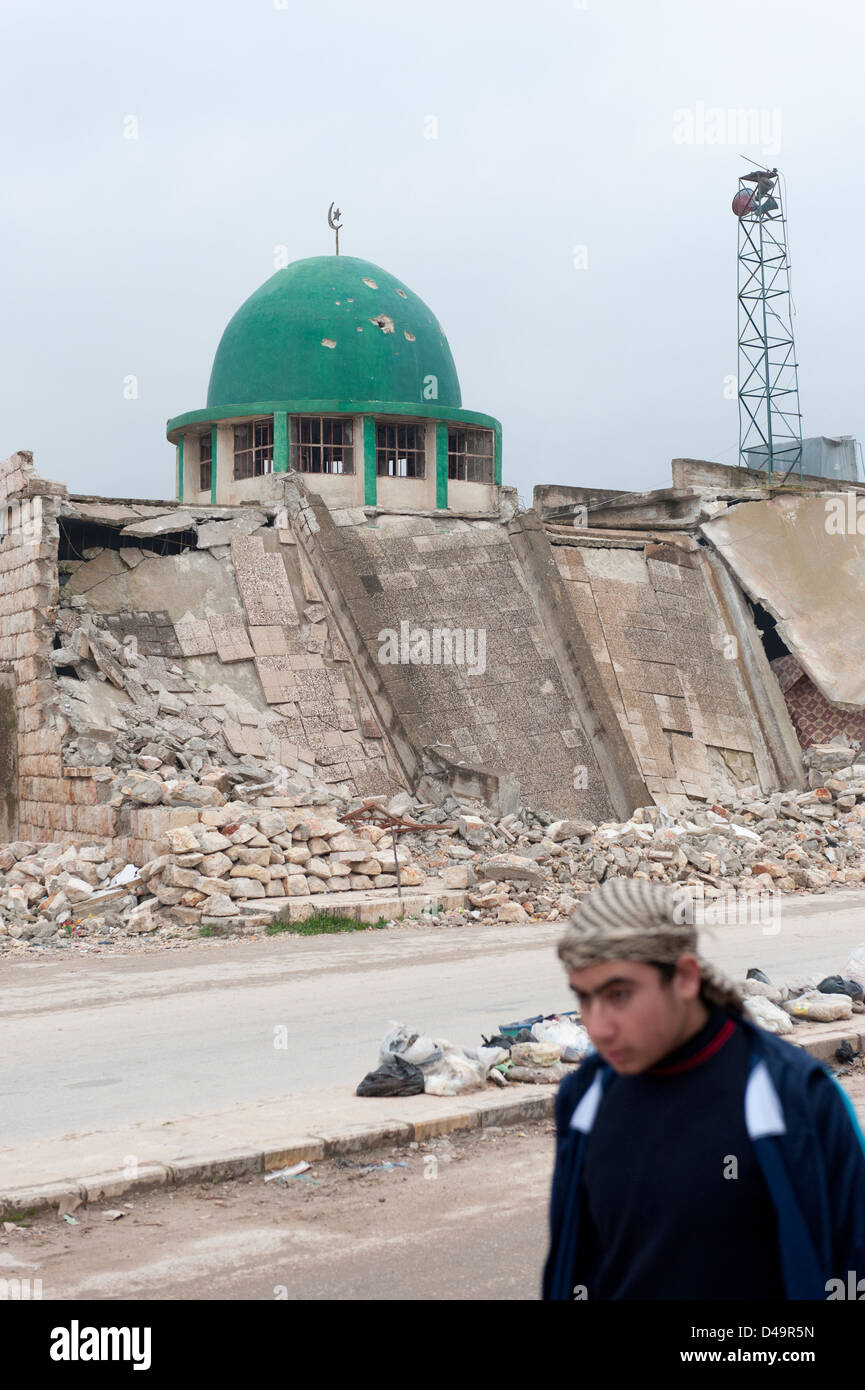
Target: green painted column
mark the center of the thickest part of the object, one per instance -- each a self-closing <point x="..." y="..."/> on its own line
<point x="498" y="459"/>
<point x="213" y="441"/>
<point x="180" y="469"/>
<point x="370" y="477"/>
<point x="280" y="441"/>
<point x="441" y="465"/>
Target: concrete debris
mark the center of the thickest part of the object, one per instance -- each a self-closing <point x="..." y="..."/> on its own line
<point x="233" y="865"/>
<point x="231" y="843"/>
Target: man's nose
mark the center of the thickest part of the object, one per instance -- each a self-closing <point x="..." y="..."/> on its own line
<point x="599" y="1023"/>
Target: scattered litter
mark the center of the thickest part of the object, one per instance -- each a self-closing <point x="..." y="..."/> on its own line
<point x="113" y="1215"/>
<point x="292" y="1172"/>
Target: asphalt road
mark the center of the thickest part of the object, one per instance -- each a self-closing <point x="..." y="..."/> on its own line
<point x="94" y="1043"/>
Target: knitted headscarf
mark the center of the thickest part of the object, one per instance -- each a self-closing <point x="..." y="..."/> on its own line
<point x="634" y="919"/>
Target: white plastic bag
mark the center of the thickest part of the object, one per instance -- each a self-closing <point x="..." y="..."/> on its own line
<point x="413" y="1047"/>
<point x="855" y="967"/>
<point x="569" y="1035"/>
<point x="460" y="1069"/>
<point x="448" y="1070"/>
<point x="762" y="1011"/>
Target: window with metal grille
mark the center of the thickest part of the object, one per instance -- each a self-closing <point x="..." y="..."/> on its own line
<point x="205" y="461"/>
<point x="471" y="456"/>
<point x="253" y="449"/>
<point x="400" y="451"/>
<point x="321" y="444"/>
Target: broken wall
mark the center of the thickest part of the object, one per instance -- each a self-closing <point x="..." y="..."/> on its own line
<point x="388" y="578"/>
<point x="657" y="636"/>
<point x="217" y="643"/>
<point x="8" y="759"/>
<point x="49" y="804"/>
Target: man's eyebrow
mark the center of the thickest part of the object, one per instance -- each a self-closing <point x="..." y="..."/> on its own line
<point x="616" y="980"/>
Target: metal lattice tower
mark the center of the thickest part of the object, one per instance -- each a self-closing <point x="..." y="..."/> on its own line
<point x="770" y="425"/>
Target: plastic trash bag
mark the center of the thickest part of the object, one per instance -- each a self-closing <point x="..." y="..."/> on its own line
<point x="461" y="1069"/>
<point x="820" y="1008"/>
<point x="570" y="1036"/>
<point x="761" y="1010"/>
<point x="413" y="1047"/>
<point x="509" y="1029"/>
<point x="837" y="984"/>
<point x="395" y="1077"/>
<point x="855" y="967"/>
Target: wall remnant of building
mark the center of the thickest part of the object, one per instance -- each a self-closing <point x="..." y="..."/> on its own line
<point x="8" y="759"/>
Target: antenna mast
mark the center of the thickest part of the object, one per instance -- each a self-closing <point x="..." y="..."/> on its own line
<point x="770" y="423"/>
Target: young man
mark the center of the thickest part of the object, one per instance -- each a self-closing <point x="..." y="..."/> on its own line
<point x="698" y="1156"/>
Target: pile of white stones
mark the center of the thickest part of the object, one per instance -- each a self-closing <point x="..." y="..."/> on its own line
<point x="235" y="866"/>
<point x="238" y="859"/>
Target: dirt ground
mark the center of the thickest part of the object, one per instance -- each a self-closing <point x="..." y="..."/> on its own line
<point x="462" y="1216"/>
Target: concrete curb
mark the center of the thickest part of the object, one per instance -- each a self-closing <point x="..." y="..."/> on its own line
<point x="531" y="1103"/>
<point x="350" y="1139"/>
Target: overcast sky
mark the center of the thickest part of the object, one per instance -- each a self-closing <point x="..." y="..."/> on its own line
<point x="569" y="224"/>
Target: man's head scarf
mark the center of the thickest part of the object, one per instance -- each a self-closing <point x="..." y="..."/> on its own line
<point x="636" y="920"/>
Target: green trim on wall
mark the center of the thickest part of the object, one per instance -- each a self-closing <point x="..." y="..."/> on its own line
<point x="498" y="459"/>
<point x="410" y="410"/>
<point x="280" y="441"/>
<point x="370" y="476"/>
<point x="180" y="468"/>
<point x="214" y="437"/>
<point x="441" y="465"/>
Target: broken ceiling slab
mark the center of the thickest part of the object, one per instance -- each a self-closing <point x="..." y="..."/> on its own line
<point x="102" y="513"/>
<point x="810" y="579"/>
<point x="212" y="533"/>
<point x="160" y="525"/>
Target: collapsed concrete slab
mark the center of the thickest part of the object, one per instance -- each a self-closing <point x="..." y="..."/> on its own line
<point x="799" y="559"/>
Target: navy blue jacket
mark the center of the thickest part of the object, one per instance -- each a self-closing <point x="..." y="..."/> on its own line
<point x="807" y="1142"/>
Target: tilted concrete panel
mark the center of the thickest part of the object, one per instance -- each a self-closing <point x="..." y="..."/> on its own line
<point x="800" y="559"/>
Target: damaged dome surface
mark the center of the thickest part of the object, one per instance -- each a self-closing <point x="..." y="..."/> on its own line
<point x="332" y="328"/>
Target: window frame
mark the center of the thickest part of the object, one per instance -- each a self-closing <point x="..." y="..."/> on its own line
<point x="205" y="463"/>
<point x="259" y="453"/>
<point x="419" y="454"/>
<point x="467" y="464"/>
<point x="325" y="423"/>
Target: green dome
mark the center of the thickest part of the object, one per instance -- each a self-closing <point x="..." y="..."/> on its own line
<point x="333" y="328"/>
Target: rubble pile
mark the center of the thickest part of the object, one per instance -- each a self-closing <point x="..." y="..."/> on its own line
<point x="530" y="865"/>
<point x="234" y="867"/>
<point x="160" y="721"/>
<point x="254" y="841"/>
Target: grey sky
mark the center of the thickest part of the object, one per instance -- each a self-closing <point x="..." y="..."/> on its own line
<point x="555" y="130"/>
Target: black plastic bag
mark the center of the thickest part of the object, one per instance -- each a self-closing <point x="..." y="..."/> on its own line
<point x="394" y="1077"/>
<point x="837" y="984"/>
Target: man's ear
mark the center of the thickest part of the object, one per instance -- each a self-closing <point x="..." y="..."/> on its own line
<point x="688" y="976"/>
